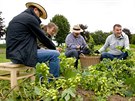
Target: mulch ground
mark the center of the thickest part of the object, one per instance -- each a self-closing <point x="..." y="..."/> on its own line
<point x="90" y="96"/>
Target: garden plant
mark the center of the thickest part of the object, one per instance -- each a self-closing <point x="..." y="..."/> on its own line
<point x="96" y="83"/>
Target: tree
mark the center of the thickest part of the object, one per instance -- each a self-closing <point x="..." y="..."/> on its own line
<point x="99" y="37"/>
<point x="87" y="37"/>
<point x="133" y="39"/>
<point x="64" y="28"/>
<point x="2" y="27"/>
<point x="127" y="31"/>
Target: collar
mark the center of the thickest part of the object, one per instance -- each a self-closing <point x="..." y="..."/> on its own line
<point x="31" y="11"/>
<point x="74" y="36"/>
<point x="119" y="38"/>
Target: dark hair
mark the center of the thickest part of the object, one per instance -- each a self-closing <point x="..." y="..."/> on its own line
<point x="37" y="8"/>
<point x="116" y="25"/>
<point x="32" y="7"/>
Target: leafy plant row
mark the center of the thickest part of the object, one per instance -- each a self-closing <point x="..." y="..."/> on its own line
<point x="104" y="79"/>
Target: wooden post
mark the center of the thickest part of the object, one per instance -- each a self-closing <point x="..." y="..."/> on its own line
<point x="13" y="79"/>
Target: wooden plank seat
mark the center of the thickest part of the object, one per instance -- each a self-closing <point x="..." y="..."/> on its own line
<point x="14" y="72"/>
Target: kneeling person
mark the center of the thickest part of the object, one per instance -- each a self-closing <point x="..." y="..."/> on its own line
<point x="113" y="41"/>
<point x="75" y="44"/>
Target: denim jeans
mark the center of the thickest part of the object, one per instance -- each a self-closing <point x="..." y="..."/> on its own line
<point x="51" y="56"/>
<point x="111" y="56"/>
<point x="73" y="53"/>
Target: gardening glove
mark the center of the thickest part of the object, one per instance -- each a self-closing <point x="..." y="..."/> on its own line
<point x="85" y="50"/>
<point x="97" y="52"/>
<point x="128" y="53"/>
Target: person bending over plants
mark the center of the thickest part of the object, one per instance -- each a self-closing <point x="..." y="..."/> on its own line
<point x="21" y="39"/>
<point x="118" y="44"/>
<point x="75" y="44"/>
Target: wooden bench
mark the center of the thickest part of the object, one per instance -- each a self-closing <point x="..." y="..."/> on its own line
<point x="15" y="72"/>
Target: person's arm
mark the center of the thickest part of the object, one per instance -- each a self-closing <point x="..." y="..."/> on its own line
<point x="84" y="44"/>
<point x="105" y="46"/>
<point x="126" y="45"/>
<point x="70" y="44"/>
<point x="39" y="33"/>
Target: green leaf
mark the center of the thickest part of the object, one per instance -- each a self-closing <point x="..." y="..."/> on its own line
<point x="71" y="92"/>
<point x="37" y="90"/>
<point x="68" y="92"/>
<point x="64" y="93"/>
<point x="10" y="99"/>
<point x="129" y="93"/>
<point x="67" y="97"/>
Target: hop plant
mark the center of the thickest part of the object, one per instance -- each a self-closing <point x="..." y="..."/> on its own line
<point x="42" y="70"/>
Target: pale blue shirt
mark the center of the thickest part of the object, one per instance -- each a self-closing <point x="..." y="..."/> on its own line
<point x="112" y="42"/>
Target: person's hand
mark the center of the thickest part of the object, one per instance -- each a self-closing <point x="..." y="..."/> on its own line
<point x="78" y="47"/>
<point x="59" y="49"/>
<point x="97" y="52"/>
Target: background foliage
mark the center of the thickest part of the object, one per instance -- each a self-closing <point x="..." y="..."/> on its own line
<point x="64" y="28"/>
<point x="2" y="26"/>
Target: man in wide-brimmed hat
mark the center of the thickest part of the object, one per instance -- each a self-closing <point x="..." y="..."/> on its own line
<point x="21" y="39"/>
<point x="75" y="44"/>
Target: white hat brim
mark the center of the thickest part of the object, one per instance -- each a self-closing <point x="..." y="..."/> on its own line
<point x="77" y="31"/>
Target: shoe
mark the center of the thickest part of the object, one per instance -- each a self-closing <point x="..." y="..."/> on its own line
<point x="76" y="64"/>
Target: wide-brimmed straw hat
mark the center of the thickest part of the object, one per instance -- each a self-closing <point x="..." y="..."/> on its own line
<point x="44" y="13"/>
<point x="77" y="29"/>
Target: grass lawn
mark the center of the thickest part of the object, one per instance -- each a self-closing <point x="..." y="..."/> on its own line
<point x="3" y="53"/>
